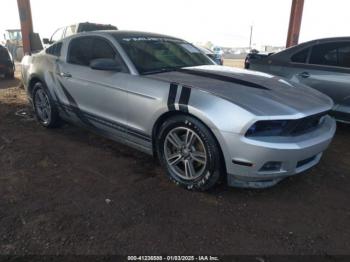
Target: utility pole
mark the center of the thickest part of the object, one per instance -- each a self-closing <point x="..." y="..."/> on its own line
<point x="25" y="16"/>
<point x="251" y="36"/>
<point x="296" y="15"/>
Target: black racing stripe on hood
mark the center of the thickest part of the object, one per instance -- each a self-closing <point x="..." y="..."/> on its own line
<point x="222" y="78"/>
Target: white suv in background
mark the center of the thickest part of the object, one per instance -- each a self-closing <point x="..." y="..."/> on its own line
<point x="66" y="31"/>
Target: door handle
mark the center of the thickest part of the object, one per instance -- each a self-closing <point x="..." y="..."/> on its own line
<point x="65" y="74"/>
<point x="304" y="75"/>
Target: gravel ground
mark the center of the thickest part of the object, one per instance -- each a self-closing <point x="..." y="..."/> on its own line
<point x="68" y="191"/>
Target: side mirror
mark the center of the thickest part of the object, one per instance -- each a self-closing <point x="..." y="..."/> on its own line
<point x="46" y="41"/>
<point x="106" y="64"/>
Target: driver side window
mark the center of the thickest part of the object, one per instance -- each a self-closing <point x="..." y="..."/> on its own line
<point x="325" y="54"/>
<point x="80" y="51"/>
<point x="331" y="54"/>
<point x="301" y="56"/>
<point x="83" y="50"/>
<point x="101" y="49"/>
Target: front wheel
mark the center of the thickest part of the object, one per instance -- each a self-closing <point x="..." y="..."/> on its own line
<point x="189" y="153"/>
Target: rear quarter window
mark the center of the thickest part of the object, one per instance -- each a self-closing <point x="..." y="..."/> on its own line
<point x="301" y="56"/>
<point x="55" y="49"/>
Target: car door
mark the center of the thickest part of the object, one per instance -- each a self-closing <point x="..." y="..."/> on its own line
<point x="97" y="98"/>
<point x="328" y="70"/>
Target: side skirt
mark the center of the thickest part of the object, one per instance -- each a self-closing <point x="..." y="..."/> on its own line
<point x="109" y="129"/>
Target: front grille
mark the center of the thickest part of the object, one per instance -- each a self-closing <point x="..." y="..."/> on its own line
<point x="304" y="125"/>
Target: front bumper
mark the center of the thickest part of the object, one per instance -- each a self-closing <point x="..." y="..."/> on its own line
<point x="245" y="157"/>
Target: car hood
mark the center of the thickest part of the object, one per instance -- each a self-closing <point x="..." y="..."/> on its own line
<point x="259" y="93"/>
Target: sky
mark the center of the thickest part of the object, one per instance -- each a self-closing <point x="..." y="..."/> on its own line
<point x="223" y="22"/>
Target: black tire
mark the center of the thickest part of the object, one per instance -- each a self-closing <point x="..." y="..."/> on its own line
<point x="213" y="169"/>
<point x="53" y="116"/>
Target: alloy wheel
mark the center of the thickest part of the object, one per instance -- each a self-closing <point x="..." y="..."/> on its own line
<point x="42" y="106"/>
<point x="185" y="153"/>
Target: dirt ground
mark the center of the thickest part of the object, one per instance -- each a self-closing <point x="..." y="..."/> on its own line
<point x="68" y="191"/>
<point x="234" y="62"/>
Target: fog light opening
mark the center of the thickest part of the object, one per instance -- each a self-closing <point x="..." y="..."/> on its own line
<point x="271" y="166"/>
<point x="242" y="163"/>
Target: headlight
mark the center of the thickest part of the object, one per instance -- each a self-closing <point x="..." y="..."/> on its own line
<point x="267" y="128"/>
<point x="293" y="127"/>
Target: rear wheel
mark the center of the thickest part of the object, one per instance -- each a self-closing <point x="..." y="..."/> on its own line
<point x="189" y="153"/>
<point x="45" y="110"/>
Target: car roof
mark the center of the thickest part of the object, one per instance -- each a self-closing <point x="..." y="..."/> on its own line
<point x="325" y="40"/>
<point x="119" y="34"/>
<point x="340" y="38"/>
<point x="291" y="50"/>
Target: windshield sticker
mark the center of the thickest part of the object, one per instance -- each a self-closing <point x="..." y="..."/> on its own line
<point x="158" y="39"/>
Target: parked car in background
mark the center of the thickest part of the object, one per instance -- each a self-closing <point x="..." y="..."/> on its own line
<point x="216" y="57"/>
<point x="76" y="28"/>
<point x="163" y="96"/>
<point x="254" y="55"/>
<point x="218" y="50"/>
<point x="7" y="66"/>
<point x="322" y="64"/>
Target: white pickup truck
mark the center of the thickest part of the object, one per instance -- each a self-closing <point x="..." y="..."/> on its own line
<point x="66" y="31"/>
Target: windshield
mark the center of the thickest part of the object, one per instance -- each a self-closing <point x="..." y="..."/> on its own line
<point x="155" y="54"/>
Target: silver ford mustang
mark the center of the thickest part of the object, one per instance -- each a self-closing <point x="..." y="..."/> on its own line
<point x="163" y="96"/>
